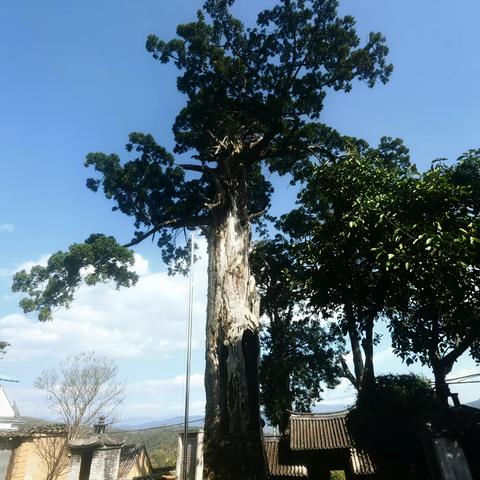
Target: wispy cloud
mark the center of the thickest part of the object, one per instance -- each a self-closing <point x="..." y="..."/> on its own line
<point x="140" y="327"/>
<point x="6" y="228"/>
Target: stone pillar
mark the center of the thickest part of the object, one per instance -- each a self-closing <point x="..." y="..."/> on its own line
<point x="195" y="464"/>
<point x="105" y="462"/>
<point x="112" y="463"/>
<point x="178" y="470"/>
<point x="75" y="463"/>
<point x="199" y="468"/>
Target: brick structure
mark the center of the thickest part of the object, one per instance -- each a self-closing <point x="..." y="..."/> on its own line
<point x="31" y="452"/>
<point x="194" y="456"/>
<point x="95" y="458"/>
<point x="105" y="457"/>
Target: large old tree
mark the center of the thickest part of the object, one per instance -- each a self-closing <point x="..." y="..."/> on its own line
<point x="253" y="103"/>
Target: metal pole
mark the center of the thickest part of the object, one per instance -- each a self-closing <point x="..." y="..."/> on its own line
<point x="188" y="362"/>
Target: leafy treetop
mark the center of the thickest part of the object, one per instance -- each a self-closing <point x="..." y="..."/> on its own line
<point x="253" y="99"/>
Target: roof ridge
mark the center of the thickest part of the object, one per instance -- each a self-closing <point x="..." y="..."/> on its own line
<point x="321" y="414"/>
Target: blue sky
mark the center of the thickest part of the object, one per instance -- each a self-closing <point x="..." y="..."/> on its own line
<point x="76" y="78"/>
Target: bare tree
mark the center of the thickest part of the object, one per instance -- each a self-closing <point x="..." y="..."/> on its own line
<point x="53" y="452"/>
<point x="82" y="388"/>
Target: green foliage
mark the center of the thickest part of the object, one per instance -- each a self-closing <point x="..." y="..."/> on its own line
<point x="161" y="445"/>
<point x="386" y="421"/>
<point x="339" y="222"/>
<point x="254" y="96"/>
<point x="99" y="259"/>
<point x="245" y="82"/>
<point x="433" y="256"/>
<point x="341" y="216"/>
<point x="373" y="238"/>
<point x="300" y="356"/>
<point x="163" y="457"/>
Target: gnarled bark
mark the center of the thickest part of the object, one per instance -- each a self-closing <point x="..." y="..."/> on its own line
<point x="233" y="443"/>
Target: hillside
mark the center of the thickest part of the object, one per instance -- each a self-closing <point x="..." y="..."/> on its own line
<point x="475" y="404"/>
<point x="161" y="444"/>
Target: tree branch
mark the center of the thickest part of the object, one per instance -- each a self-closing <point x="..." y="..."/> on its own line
<point x="188" y="223"/>
<point x="459" y="350"/>
<point x="348" y="374"/>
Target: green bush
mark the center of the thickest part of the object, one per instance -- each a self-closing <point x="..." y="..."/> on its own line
<point x="387" y="419"/>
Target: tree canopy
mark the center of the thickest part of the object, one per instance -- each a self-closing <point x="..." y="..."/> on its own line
<point x="300" y="356"/>
<point x="253" y="93"/>
<point x="332" y="237"/>
<point x="433" y="256"/>
<point x="373" y="239"/>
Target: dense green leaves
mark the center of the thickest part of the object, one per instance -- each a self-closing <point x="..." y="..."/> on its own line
<point x="263" y="82"/>
<point x="253" y="99"/>
<point x="334" y="234"/>
<point x="434" y="258"/>
<point x="300" y="354"/>
<point x="373" y="239"/>
<point x="99" y="259"/>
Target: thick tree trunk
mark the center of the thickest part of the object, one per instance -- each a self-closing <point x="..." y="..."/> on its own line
<point x="357" y="357"/>
<point x="233" y="442"/>
<point x="442" y="391"/>
<point x="368" y="379"/>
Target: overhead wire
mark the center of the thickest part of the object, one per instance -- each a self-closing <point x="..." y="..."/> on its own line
<point x="117" y="432"/>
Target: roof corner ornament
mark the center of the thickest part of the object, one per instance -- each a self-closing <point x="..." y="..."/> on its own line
<point x="100" y="426"/>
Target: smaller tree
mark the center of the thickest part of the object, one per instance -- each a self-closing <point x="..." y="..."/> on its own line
<point x="386" y="420"/>
<point x="433" y="257"/>
<point x="82" y="388"/>
<point x="299" y="356"/>
<point x="334" y="232"/>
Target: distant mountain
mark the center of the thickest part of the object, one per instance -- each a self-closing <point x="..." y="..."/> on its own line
<point x="36" y="421"/>
<point x="475" y="404"/>
<point x="138" y="423"/>
<point x="329" y="408"/>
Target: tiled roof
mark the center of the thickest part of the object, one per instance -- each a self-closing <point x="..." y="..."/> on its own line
<point x="327" y="432"/>
<point x="128" y="457"/>
<point x="95" y="441"/>
<point x="26" y="431"/>
<point x="319" y="432"/>
<point x="361" y="463"/>
<point x="277" y="464"/>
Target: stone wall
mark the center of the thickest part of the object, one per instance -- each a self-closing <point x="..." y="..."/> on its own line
<point x="32" y="457"/>
<point x="104" y="466"/>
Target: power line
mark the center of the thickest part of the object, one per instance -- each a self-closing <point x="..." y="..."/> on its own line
<point x="188" y="360"/>
<point x="465" y="376"/>
<point x="116" y="432"/>
<point x="463" y="383"/>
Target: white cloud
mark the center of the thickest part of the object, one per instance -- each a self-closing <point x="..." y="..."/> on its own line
<point x="146" y="319"/>
<point x="384" y="357"/>
<point x="196" y="380"/>
<point x="6" y="228"/>
<point x="29" y="264"/>
<point x="141" y="266"/>
<point x="142" y="328"/>
<point x="164" y="396"/>
<point x="343" y="394"/>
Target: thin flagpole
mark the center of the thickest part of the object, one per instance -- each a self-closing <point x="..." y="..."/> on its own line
<point x="188" y="358"/>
